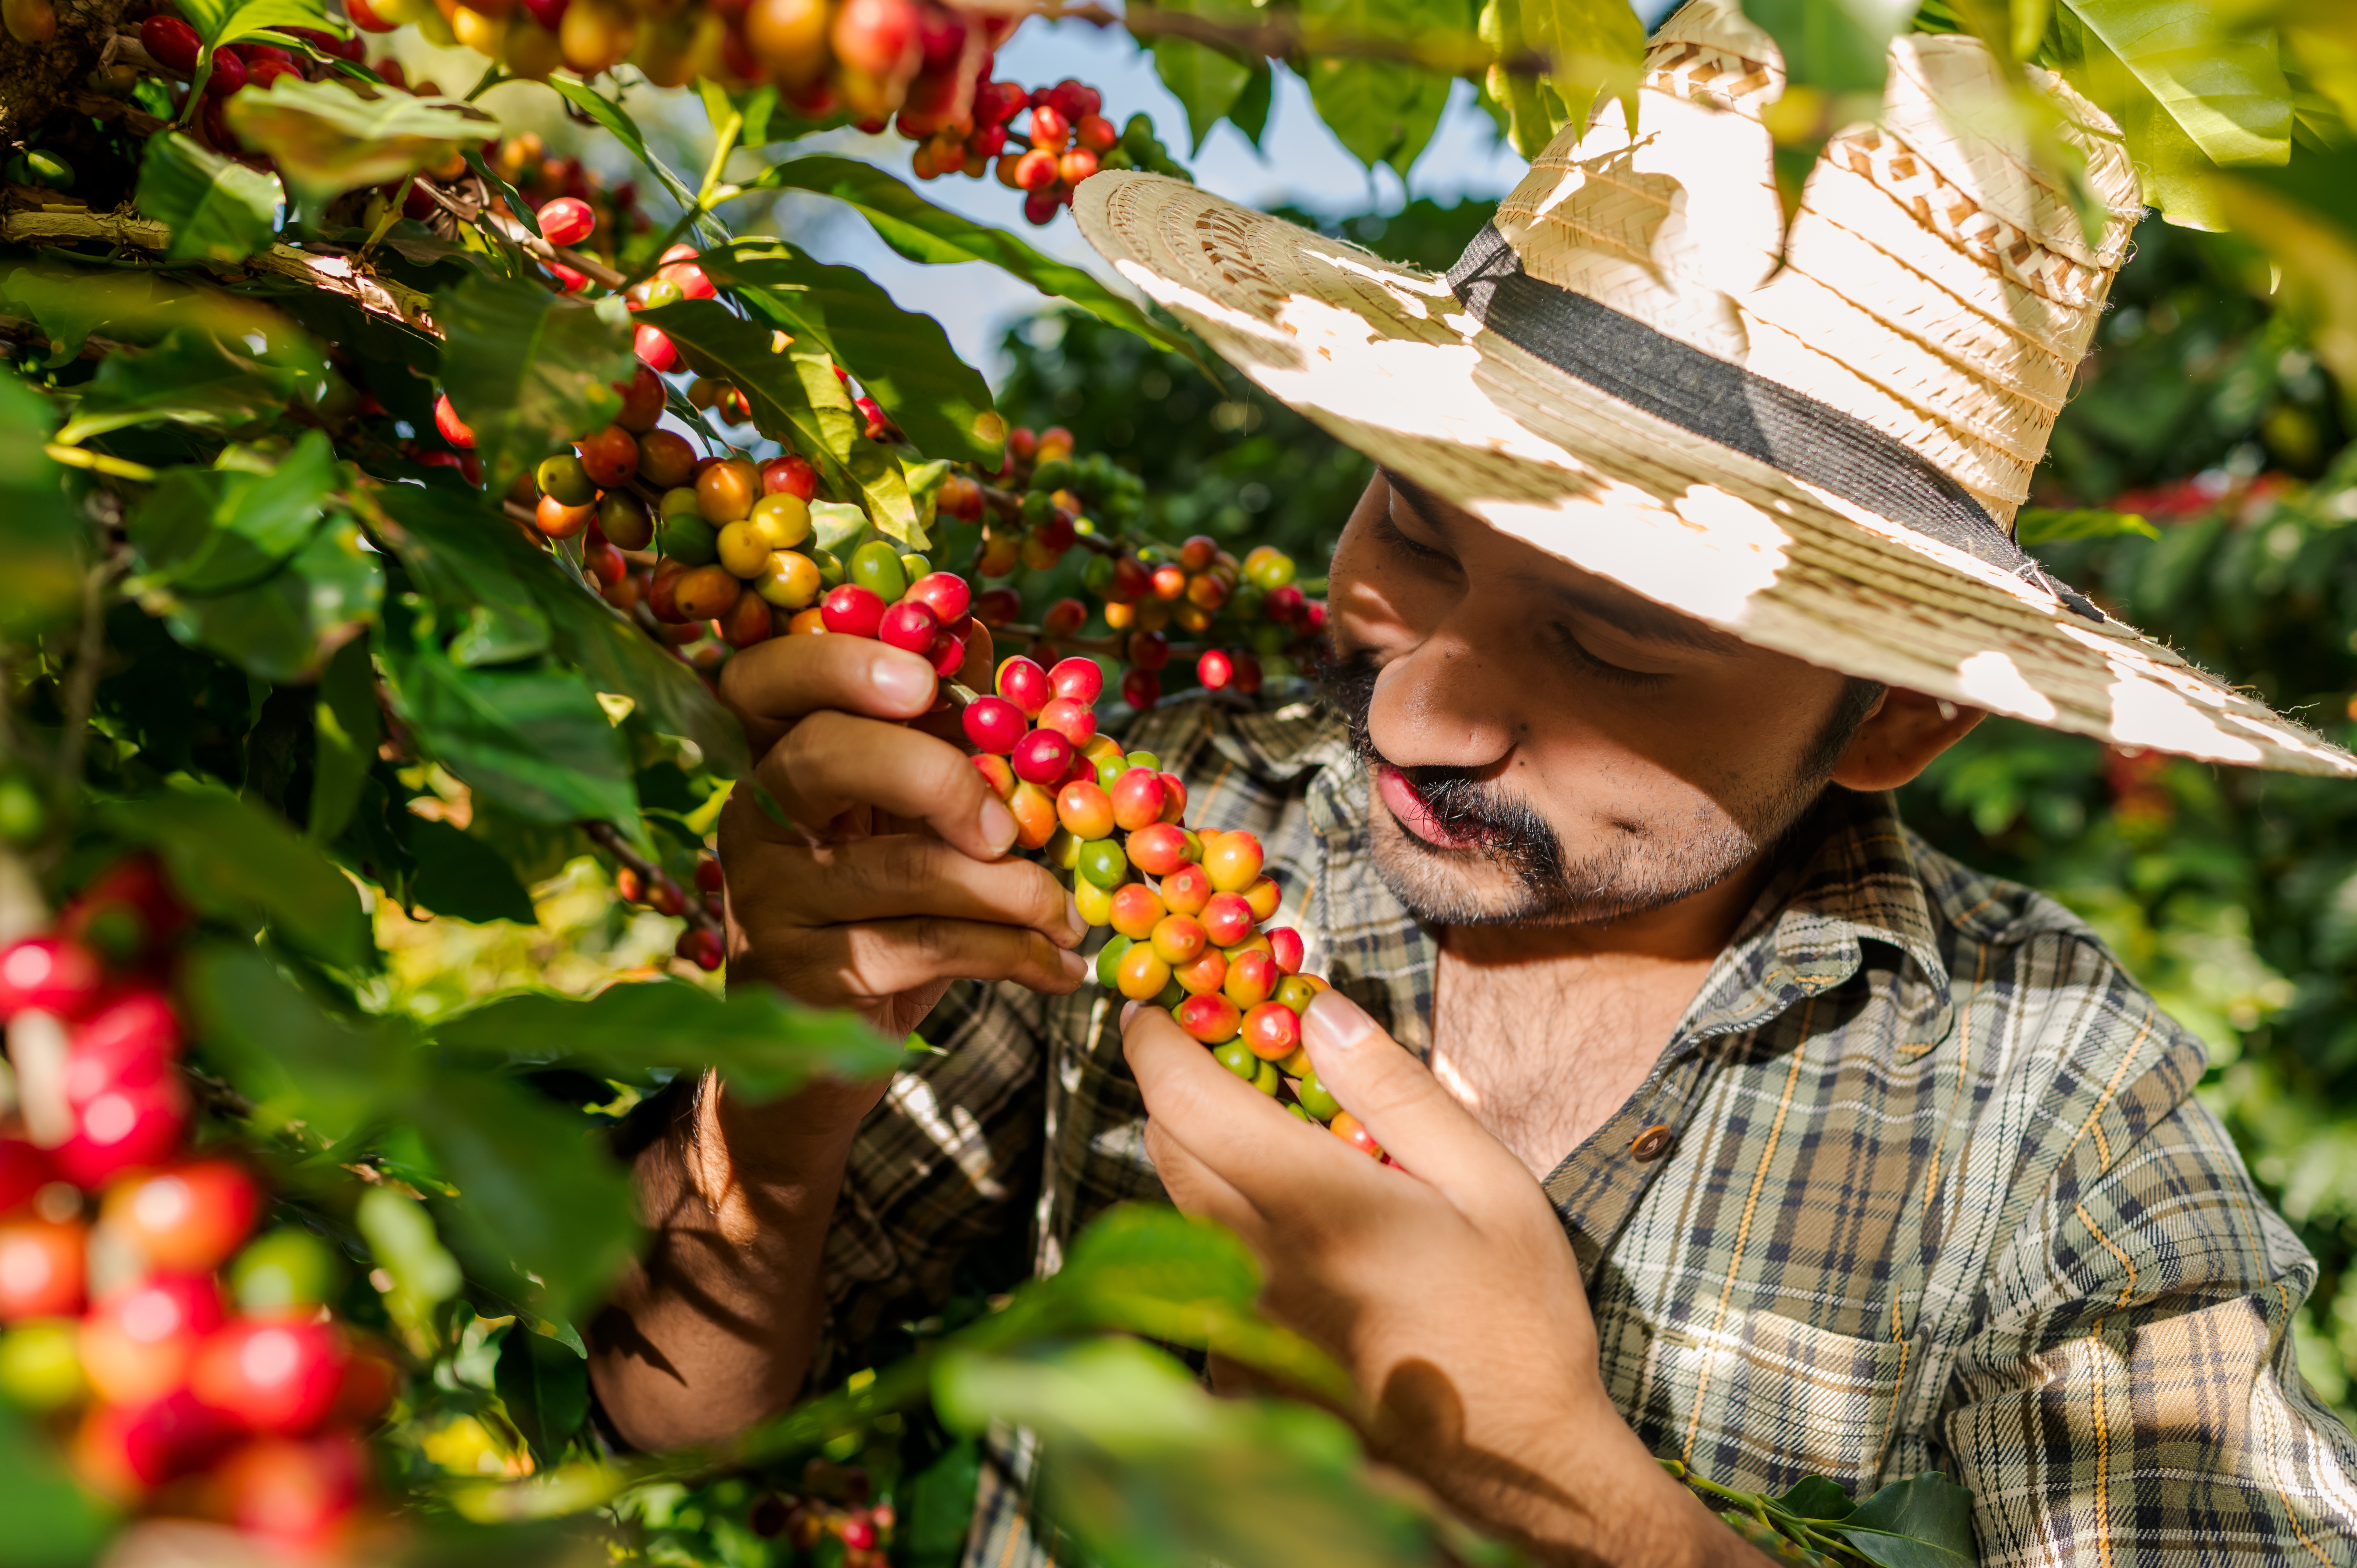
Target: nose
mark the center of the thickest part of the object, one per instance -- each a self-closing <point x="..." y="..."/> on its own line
<point x="1447" y="703"/>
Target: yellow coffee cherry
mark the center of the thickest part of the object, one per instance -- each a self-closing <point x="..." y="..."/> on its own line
<point x="784" y="520"/>
<point x="1095" y="902"/>
<point x="743" y="551"/>
<point x="788" y="580"/>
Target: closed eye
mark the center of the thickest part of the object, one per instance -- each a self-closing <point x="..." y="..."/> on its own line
<point x="1568" y="644"/>
<point x="1389" y="532"/>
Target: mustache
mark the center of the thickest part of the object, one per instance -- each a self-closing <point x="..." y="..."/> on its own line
<point x="1465" y="805"/>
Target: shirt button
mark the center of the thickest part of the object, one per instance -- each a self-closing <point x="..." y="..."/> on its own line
<point x="1651" y="1143"/>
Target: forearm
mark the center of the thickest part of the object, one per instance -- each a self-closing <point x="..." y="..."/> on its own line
<point x="1586" y="1494"/>
<point x="716" y="1328"/>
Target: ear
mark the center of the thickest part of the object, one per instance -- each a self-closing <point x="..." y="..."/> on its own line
<point x="1900" y="738"/>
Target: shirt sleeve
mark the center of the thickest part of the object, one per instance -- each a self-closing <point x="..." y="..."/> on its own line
<point x="2129" y="1396"/>
<point x="948" y="1161"/>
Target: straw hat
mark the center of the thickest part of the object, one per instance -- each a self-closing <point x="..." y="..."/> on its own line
<point x="1822" y="459"/>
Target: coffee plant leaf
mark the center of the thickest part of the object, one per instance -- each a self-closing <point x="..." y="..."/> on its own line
<point x="527" y="369"/>
<point x="2036" y="525"/>
<point x="330" y="136"/>
<point x="47" y="544"/>
<point x="2223" y="88"/>
<point x="902" y="357"/>
<point x="347" y="727"/>
<point x="544" y="1385"/>
<point x="52" y="1522"/>
<point x="1924" y="1521"/>
<point x="533" y="739"/>
<point x="924" y="232"/>
<point x="1207" y="82"/>
<point x="790" y="385"/>
<point x="647" y="1032"/>
<point x="616" y="119"/>
<point x="461" y="875"/>
<point x="197" y="375"/>
<point x="472" y="569"/>
<point x="283" y="628"/>
<point x="1837" y="47"/>
<point x="219" y="209"/>
<point x="1815" y="1499"/>
<point x="1380" y="111"/>
<point x="239" y="861"/>
<point x="219" y="22"/>
<point x="542" y="1211"/>
<point x="301" y="1066"/>
<point x="208" y="531"/>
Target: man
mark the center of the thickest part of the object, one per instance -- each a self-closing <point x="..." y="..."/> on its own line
<point x="1734" y="1125"/>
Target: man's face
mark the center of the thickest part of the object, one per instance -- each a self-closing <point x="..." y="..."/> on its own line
<point x="1547" y="747"/>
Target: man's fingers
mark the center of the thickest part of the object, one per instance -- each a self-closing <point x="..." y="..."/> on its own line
<point x="1199" y="1191"/>
<point x="905" y="875"/>
<point x="833" y="761"/>
<point x="776" y="683"/>
<point x="1240" y="1133"/>
<point x="1415" y="1120"/>
<point x="843" y="965"/>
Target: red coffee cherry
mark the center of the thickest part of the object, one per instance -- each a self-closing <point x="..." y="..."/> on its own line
<point x="1158" y="850"/>
<point x="909" y="626"/>
<point x="701" y="947"/>
<point x="611" y="455"/>
<point x="1042" y="757"/>
<point x="1215" y="670"/>
<point x="1210" y="1018"/>
<point x="1285" y="947"/>
<point x="276" y="1377"/>
<point x="1228" y="918"/>
<point x="1078" y="680"/>
<point x="188" y="1216"/>
<point x="1273" y="1031"/>
<point x="174" y="44"/>
<point x="642" y="401"/>
<point x="299" y="1494"/>
<point x="139" y="1340"/>
<point x="1076" y="722"/>
<point x="567" y="220"/>
<point x="1140" y="689"/>
<point x="852" y="611"/>
<point x="653" y="347"/>
<point x="790" y="474"/>
<point x="994" y="725"/>
<point x="945" y="594"/>
<point x="49" y="974"/>
<point x="41" y="1268"/>
<point x="1025" y="684"/>
<point x="452" y="428"/>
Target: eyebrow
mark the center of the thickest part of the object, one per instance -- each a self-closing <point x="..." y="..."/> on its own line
<point x="1623" y="611"/>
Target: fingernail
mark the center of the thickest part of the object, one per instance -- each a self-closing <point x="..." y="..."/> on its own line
<point x="1129" y="1011"/>
<point x="1336" y="1021"/>
<point x="902" y="681"/>
<point x="1076" y="968"/>
<point x="1072" y="921"/>
<point x="997" y="825"/>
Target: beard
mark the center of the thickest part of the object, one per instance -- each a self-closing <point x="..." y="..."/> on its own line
<point x="1514" y="869"/>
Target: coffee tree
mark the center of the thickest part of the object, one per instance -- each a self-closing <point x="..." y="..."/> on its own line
<point x="384" y="494"/>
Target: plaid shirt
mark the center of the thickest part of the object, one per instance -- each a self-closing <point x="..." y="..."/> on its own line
<point x="1918" y="1182"/>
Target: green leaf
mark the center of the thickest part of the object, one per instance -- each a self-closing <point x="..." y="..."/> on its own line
<point x="1206" y="81"/>
<point x="903" y="358"/>
<point x="52" y="1522"/>
<point x="924" y="232"/>
<point x="544" y="1386"/>
<point x="1816" y="1498"/>
<point x="401" y="1234"/>
<point x="766" y="1044"/>
<point x="300" y="1066"/>
<point x="349" y="728"/>
<point x="194" y="377"/>
<point x="1249" y="114"/>
<point x="1836" y="46"/>
<point x="1149" y="1470"/>
<point x="2035" y="525"/>
<point x="473" y="568"/>
<point x="937" y="1508"/>
<point x="528" y="369"/>
<point x="1924" y="1521"/>
<point x="1382" y="110"/>
<point x="625" y="130"/>
<point x="236" y="861"/>
<point x="534" y="740"/>
<point x="614" y="655"/>
<point x="2224" y="92"/>
<point x="208" y="531"/>
<point x="793" y="390"/>
<point x="284" y="627"/>
<point x="1591" y="46"/>
<point x="537" y="1194"/>
<point x="219" y="209"/>
<point x="461" y="875"/>
<point x="219" y="22"/>
<point x="2301" y="216"/>
<point x="43" y="539"/>
<point x="334" y="136"/>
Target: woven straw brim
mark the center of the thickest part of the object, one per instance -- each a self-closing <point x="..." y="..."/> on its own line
<point x="1384" y="358"/>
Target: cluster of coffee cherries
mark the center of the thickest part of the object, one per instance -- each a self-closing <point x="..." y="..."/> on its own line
<point x="175" y="48"/>
<point x="1064" y="140"/>
<point x="187" y="1366"/>
<point x="644" y="883"/>
<point x="832" y="1504"/>
<point x="1246" y="611"/>
<point x="1186" y="906"/>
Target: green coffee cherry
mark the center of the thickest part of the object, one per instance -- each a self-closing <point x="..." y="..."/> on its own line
<point x="1268" y="1081"/>
<point x="22" y="815"/>
<point x="567" y="479"/>
<point x="1237" y="1057"/>
<point x="1103" y="863"/>
<point x="1109" y="960"/>
<point x="1315" y="1100"/>
<point x="41" y="169"/>
<point x="688" y="538"/>
<point x="40" y="1369"/>
<point x="285" y="1268"/>
<point x="916" y="566"/>
<point x="875" y="567"/>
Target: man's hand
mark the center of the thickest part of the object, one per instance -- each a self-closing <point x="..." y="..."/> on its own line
<point x="1444" y="1284"/>
<point x="892" y="880"/>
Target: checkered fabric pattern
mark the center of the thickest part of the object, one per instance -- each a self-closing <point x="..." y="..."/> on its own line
<point x="1919" y="1182"/>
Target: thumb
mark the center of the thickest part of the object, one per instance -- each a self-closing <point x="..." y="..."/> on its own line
<point x="1420" y="1123"/>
